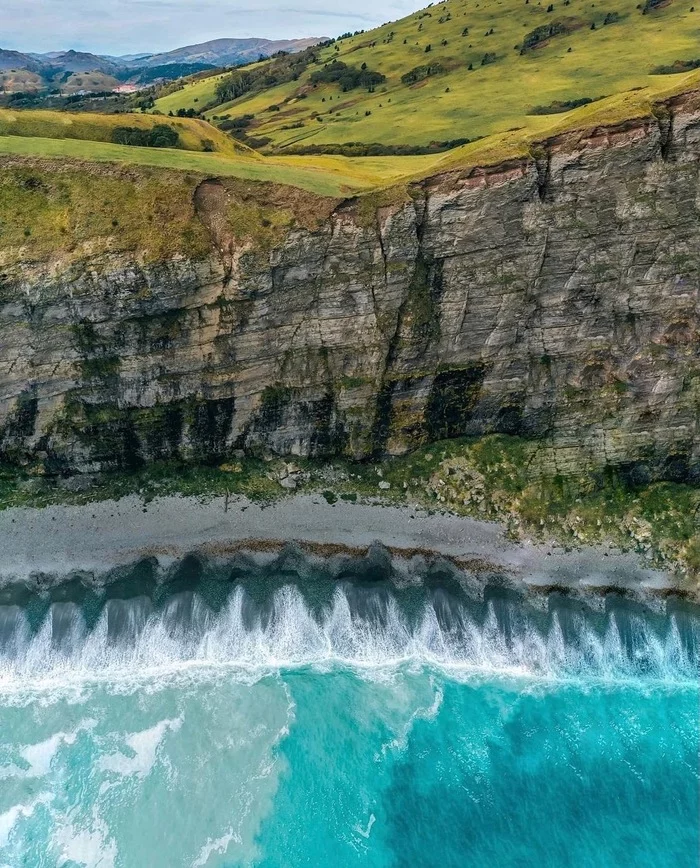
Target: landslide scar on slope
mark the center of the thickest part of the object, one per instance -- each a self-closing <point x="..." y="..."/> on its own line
<point x="211" y="206"/>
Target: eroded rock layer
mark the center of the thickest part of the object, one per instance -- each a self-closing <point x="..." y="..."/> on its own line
<point x="554" y="297"/>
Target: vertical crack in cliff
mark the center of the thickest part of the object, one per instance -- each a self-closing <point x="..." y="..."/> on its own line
<point x="543" y="166"/>
<point x="382" y="248"/>
<point x="536" y="324"/>
<point x="534" y="294"/>
<point x="382" y="418"/>
<point x="665" y="119"/>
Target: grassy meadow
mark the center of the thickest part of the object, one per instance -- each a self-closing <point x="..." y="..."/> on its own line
<point x="90" y="127"/>
<point x="193" y="95"/>
<point x="487" y="99"/>
<point x="491" y="104"/>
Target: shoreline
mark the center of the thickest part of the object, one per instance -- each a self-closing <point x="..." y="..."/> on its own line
<point x="57" y="541"/>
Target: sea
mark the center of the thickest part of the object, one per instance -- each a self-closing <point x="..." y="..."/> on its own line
<point x="275" y="716"/>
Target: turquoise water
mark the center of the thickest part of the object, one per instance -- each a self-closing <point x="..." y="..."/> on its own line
<point x="348" y="725"/>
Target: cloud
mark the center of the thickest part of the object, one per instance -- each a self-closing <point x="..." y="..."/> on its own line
<point x="131" y="26"/>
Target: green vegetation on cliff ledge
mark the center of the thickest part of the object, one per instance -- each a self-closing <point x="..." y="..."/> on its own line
<point x="61" y="214"/>
<point x="491" y="478"/>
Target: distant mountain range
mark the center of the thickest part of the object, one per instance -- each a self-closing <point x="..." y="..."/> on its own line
<point x="218" y="52"/>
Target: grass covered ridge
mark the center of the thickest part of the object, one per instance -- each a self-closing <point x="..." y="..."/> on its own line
<point x="335" y="175"/>
<point x="492" y="62"/>
<point x="195" y="135"/>
<point x="70" y="214"/>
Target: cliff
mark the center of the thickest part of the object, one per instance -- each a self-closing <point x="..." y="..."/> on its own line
<point x="554" y="296"/>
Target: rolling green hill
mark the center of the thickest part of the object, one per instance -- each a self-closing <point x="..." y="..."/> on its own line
<point x="531" y="66"/>
<point x="34" y="134"/>
<point x="466" y="69"/>
<point x="193" y="94"/>
<point x="194" y="135"/>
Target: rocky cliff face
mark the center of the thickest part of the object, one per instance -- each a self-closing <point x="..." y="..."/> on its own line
<point x="554" y="297"/>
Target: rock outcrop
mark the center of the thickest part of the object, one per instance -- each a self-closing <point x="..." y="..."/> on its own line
<point x="554" y="297"/>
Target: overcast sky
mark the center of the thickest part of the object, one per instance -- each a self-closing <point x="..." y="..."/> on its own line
<point x="134" y="26"/>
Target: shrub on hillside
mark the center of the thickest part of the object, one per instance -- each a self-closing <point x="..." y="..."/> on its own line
<point x="347" y="77"/>
<point x="159" y="136"/>
<point x="542" y="34"/>
<point x="652" y="5"/>
<point x="422" y="72"/>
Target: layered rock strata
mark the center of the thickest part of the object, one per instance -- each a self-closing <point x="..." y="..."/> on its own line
<point x="554" y="297"/>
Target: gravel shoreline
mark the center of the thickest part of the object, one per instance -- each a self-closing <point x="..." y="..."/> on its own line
<point x="60" y="540"/>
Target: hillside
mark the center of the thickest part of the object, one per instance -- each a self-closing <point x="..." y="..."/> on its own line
<point x="469" y="69"/>
<point x="87" y="137"/>
<point x="193" y="134"/>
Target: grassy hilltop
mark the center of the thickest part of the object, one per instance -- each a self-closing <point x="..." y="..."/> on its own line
<point x="499" y="74"/>
<point x="463" y="69"/>
<point x="193" y="134"/>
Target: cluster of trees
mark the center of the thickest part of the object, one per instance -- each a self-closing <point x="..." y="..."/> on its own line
<point x="184" y="113"/>
<point x="282" y="69"/>
<point x="349" y="35"/>
<point x="235" y="85"/>
<point x="375" y="149"/>
<point x="158" y="136"/>
<point x="545" y="32"/>
<point x="422" y="72"/>
<point x="558" y="106"/>
<point x="677" y="66"/>
<point x="348" y="77"/>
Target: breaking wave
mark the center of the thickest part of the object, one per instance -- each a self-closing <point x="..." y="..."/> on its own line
<point x="360" y="626"/>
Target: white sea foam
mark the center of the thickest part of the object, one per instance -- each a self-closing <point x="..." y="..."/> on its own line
<point x="87" y="847"/>
<point x="220" y="846"/>
<point x="37" y="758"/>
<point x="144" y="749"/>
<point x="366" y="832"/>
<point x="367" y="630"/>
<point x="400" y="741"/>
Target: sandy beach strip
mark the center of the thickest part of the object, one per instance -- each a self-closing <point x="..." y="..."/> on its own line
<point x="97" y="537"/>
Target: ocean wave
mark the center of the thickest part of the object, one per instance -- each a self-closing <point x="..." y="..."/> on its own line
<point x="365" y="628"/>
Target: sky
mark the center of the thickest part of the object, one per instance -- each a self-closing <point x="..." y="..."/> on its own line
<point x="140" y="26"/>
